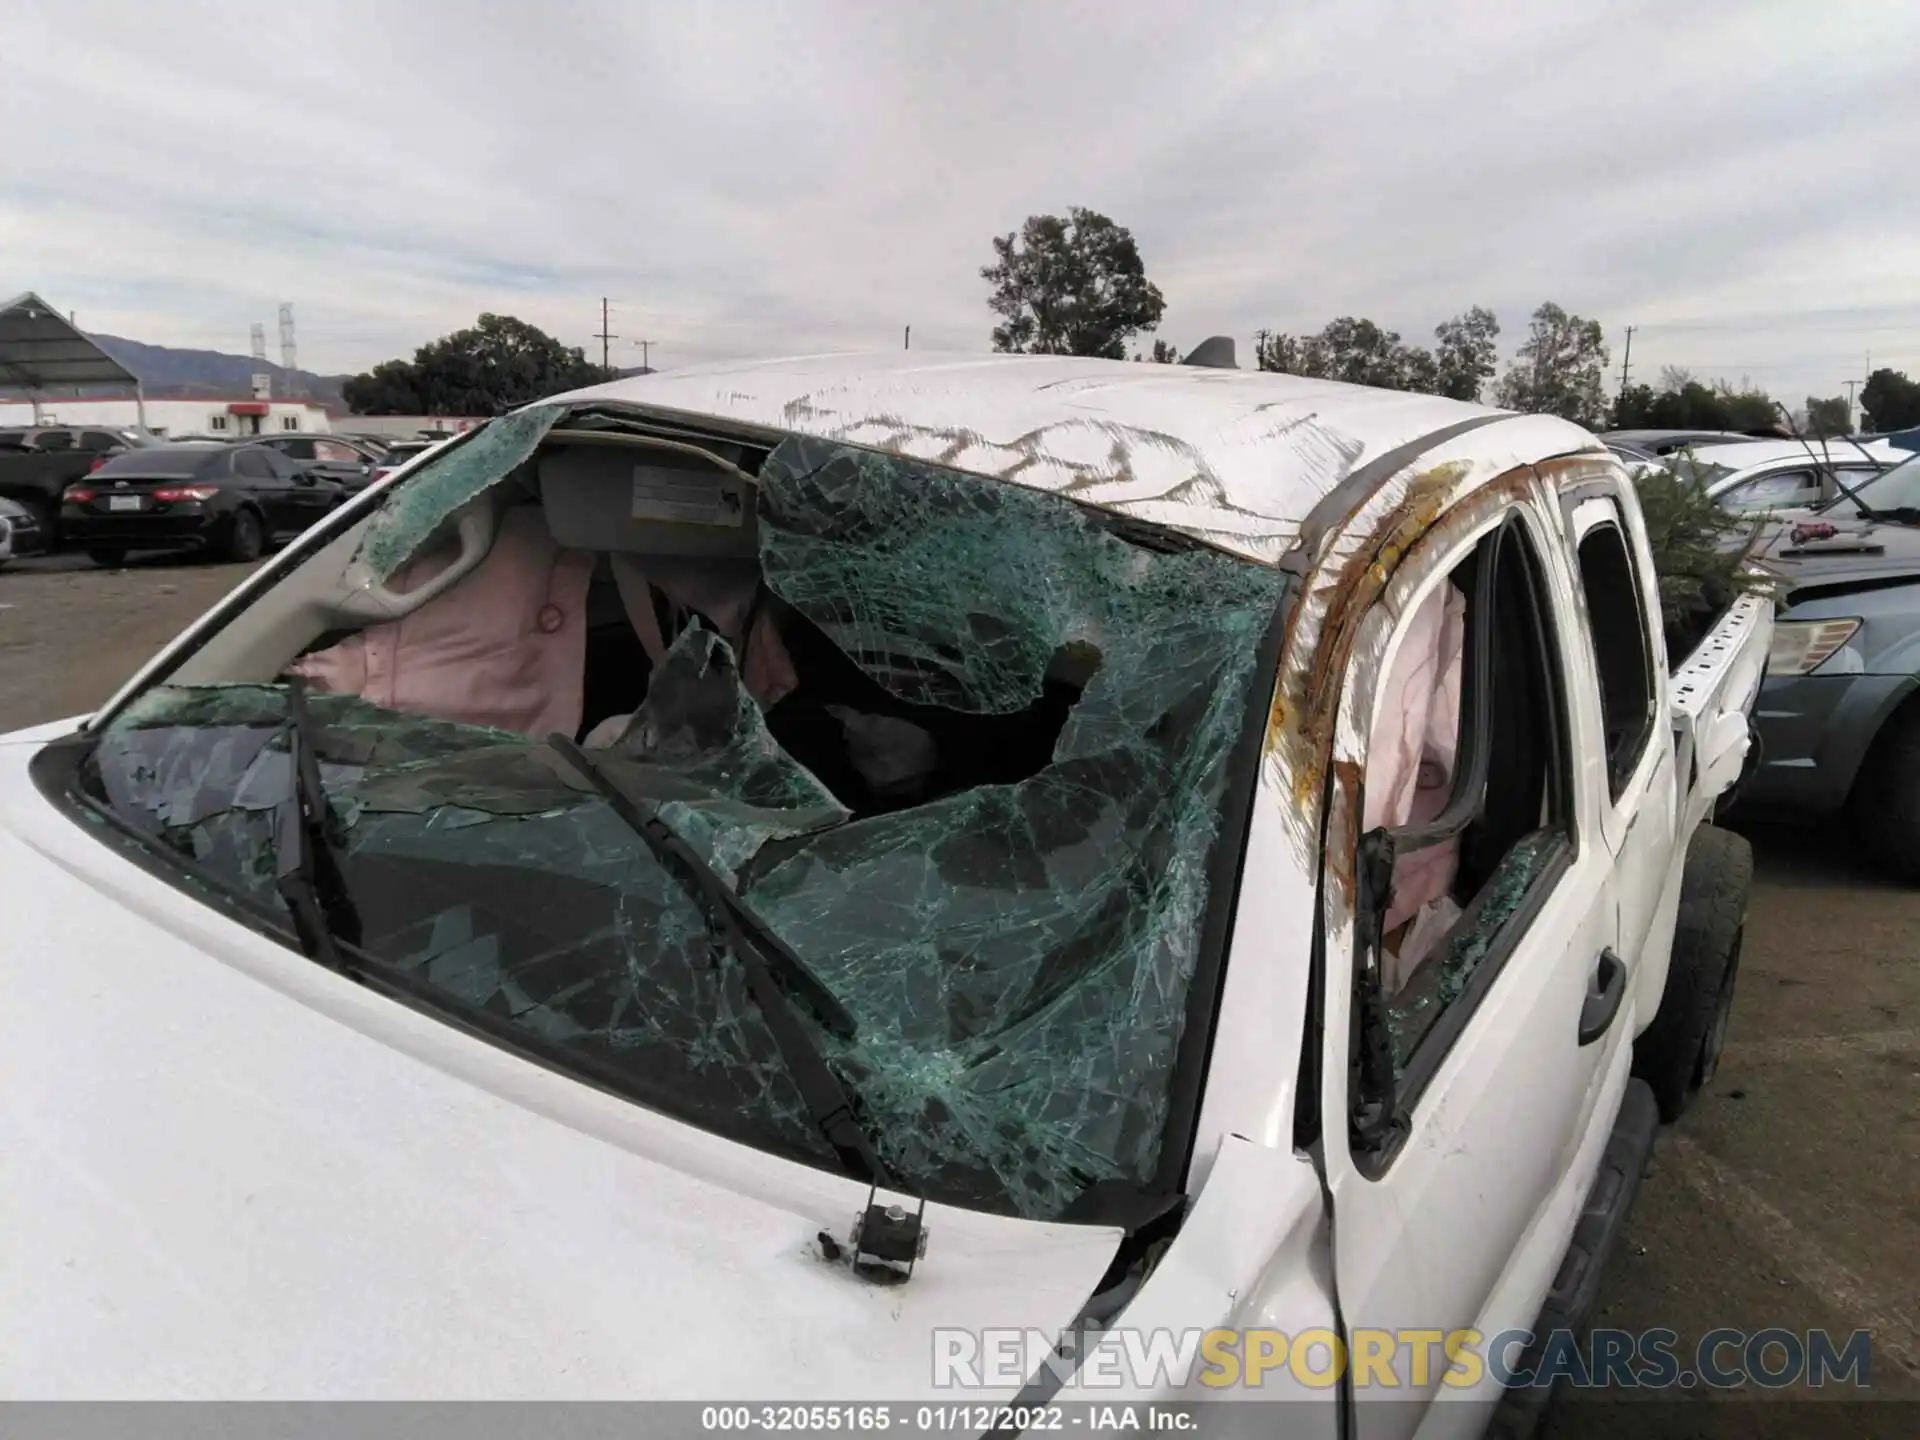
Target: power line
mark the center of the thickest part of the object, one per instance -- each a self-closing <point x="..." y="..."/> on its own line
<point x="1830" y="320"/>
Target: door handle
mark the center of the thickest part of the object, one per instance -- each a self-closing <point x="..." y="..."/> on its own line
<point x="1603" y="1000"/>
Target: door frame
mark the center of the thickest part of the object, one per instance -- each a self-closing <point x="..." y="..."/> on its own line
<point x="1517" y="496"/>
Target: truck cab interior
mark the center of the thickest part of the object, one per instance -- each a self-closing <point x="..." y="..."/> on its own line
<point x="664" y="535"/>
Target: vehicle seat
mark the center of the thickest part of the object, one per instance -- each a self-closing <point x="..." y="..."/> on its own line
<point x="681" y="535"/>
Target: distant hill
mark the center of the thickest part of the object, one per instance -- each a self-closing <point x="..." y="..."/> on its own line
<point x="167" y="373"/>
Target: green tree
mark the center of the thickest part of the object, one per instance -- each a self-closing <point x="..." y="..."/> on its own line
<point x="1688" y="405"/>
<point x="1070" y="287"/>
<point x="1362" y="353"/>
<point x="391" y="388"/>
<point x="1164" y="354"/>
<point x="1890" y="401"/>
<point x="1350" y="349"/>
<point x="1701" y="552"/>
<point x="1832" y="416"/>
<point x="1559" y="369"/>
<point x="1684" y="403"/>
<point x="1748" y="409"/>
<point x="1418" y="371"/>
<point x="1633" y="408"/>
<point x="1466" y="357"/>
<point x="1278" y="352"/>
<point x="495" y="365"/>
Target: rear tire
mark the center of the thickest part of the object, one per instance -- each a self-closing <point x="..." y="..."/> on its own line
<point x="247" y="538"/>
<point x="1886" y="796"/>
<point x="1680" y="1050"/>
<point x="106" y="557"/>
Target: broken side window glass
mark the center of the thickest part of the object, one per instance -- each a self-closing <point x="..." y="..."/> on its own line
<point x="1503" y="756"/>
<point x="1016" y="953"/>
<point x="1444" y="976"/>
<point x="416" y="509"/>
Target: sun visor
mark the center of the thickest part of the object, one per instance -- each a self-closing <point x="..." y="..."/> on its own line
<point x="623" y="497"/>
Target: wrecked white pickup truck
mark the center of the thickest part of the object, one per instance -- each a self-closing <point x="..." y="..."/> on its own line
<point x="759" y="882"/>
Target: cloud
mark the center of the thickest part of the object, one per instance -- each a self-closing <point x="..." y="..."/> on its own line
<point x="769" y="178"/>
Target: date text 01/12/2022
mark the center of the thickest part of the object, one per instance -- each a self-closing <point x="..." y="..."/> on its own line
<point x="951" y="1419"/>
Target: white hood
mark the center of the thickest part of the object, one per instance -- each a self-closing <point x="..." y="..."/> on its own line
<point x="229" y="1173"/>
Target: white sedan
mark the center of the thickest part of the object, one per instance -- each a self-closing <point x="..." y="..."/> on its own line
<point x="1786" y="474"/>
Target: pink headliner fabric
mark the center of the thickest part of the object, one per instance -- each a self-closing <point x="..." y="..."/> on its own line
<point x="1416" y="730"/>
<point x="506" y="647"/>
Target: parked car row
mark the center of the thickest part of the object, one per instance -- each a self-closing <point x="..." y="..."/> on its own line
<point x="37" y="462"/>
<point x="1837" y="725"/>
<point x="1839" y="716"/>
<point x="1760" y="476"/>
<point x="109" y="490"/>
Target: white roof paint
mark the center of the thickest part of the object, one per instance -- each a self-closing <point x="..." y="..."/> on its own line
<point x="1235" y="457"/>
<point x="1744" y="455"/>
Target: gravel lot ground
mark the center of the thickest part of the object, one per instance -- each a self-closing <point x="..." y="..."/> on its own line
<point x="1789" y="1197"/>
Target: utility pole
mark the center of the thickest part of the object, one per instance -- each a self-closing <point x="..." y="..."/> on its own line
<point x="1850" y="385"/>
<point x="604" y="335"/>
<point x="906" y="342"/>
<point x="1626" y="360"/>
<point x="645" y="346"/>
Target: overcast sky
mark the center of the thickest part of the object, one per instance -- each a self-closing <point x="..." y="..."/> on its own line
<point x="1740" y="180"/>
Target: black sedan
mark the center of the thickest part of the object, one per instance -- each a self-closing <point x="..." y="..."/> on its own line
<point x="20" y="532"/>
<point x="234" y="500"/>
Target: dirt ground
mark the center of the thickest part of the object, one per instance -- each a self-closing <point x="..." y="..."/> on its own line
<point x="71" y="633"/>
<point x="1790" y="1196"/>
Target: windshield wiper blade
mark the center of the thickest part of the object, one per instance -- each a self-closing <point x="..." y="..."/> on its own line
<point x="307" y="868"/>
<point x="1823" y="463"/>
<point x="775" y="974"/>
<point x="733" y="911"/>
<point x="1867" y="512"/>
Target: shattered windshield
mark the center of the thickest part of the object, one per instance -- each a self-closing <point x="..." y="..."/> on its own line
<point x="965" y="750"/>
